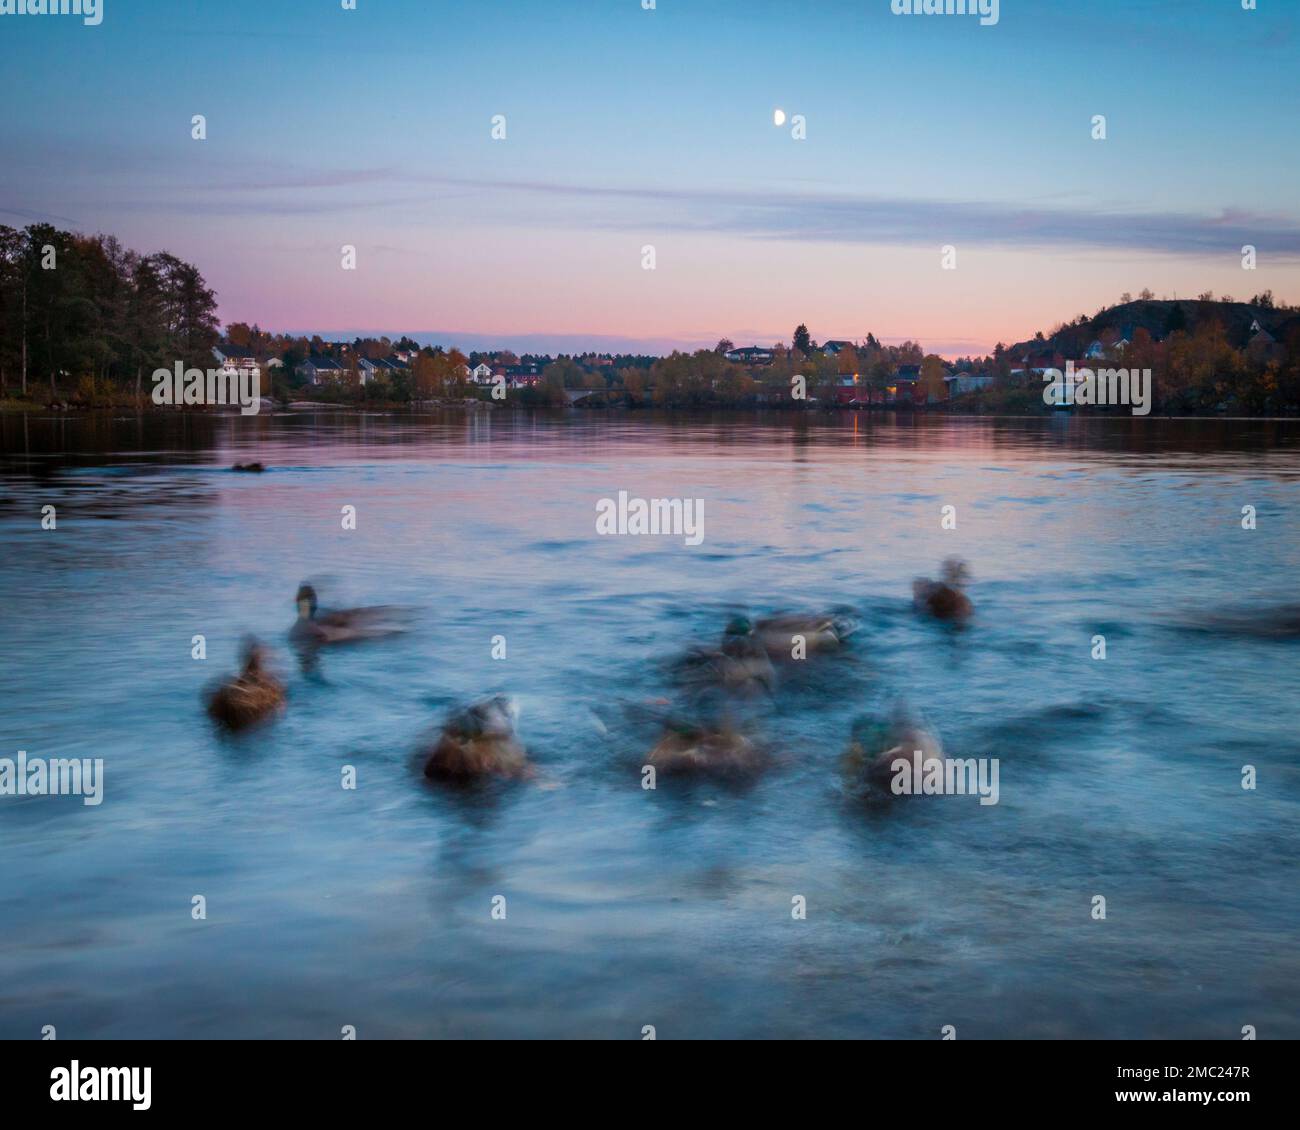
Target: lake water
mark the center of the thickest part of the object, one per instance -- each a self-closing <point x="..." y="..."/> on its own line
<point x="626" y="907"/>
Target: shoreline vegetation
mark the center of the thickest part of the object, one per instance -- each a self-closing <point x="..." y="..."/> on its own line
<point x="85" y="323"/>
<point x="975" y="407"/>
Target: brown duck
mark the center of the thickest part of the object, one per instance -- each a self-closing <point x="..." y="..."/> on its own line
<point x="252" y="696"/>
<point x="716" y="751"/>
<point x="479" y="743"/>
<point x="944" y="599"/>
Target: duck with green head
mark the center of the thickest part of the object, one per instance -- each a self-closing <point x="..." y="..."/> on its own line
<point x="738" y="666"/>
<point x="878" y="749"/>
<point x="792" y="636"/>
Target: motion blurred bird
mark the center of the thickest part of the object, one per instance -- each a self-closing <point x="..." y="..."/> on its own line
<point x="869" y="762"/>
<point x="739" y="665"/>
<point x="253" y="695"/>
<point x="477" y="743"/>
<point x="780" y="636"/>
<point x="1275" y="622"/>
<point x="320" y="628"/>
<point x="944" y="599"/>
<point x="706" y="750"/>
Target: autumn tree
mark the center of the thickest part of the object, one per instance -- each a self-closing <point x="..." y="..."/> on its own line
<point x="931" y="381"/>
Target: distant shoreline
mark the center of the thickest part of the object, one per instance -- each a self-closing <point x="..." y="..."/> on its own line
<point x="18" y="407"/>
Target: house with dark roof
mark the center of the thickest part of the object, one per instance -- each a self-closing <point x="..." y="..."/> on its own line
<point x="849" y="390"/>
<point x="750" y="355"/>
<point x="835" y="348"/>
<point x="1263" y="346"/>
<point x="516" y="376"/>
<point x="902" y="385"/>
<point x="959" y="384"/>
<point x="1039" y="361"/>
<point x="319" y="369"/>
<point x="384" y="367"/>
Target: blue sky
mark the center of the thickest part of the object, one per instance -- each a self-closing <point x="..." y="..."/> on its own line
<point x="628" y="127"/>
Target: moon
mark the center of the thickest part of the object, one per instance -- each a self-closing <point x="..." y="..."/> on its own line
<point x="778" y="118"/>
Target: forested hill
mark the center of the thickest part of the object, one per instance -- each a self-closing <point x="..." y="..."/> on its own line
<point x="1160" y="317"/>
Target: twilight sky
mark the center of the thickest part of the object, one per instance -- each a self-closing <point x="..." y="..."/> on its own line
<point x="628" y="127"/>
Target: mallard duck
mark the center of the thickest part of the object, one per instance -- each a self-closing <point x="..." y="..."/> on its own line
<point x="251" y="468"/>
<point x="477" y="743"/>
<point x="870" y="763"/>
<point x="316" y="628"/>
<point x="253" y="695"/>
<point x="777" y="634"/>
<point x="944" y="599"/>
<point x="739" y="665"/>
<point x="718" y="751"/>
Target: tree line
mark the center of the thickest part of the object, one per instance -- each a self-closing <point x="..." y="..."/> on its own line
<point x="84" y="310"/>
<point x="86" y="314"/>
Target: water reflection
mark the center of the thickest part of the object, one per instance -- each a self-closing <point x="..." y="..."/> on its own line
<point x="625" y="905"/>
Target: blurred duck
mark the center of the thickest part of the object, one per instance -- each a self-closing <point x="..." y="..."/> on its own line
<point x="477" y="743"/>
<point x="875" y="747"/>
<point x="1277" y="622"/>
<point x="317" y="628"/>
<point x="253" y="695"/>
<point x="777" y="635"/>
<point x="740" y="664"/>
<point x="705" y="750"/>
<point x="944" y="599"/>
<point x="251" y="468"/>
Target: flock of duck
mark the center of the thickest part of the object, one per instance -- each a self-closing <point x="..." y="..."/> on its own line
<point x="480" y="742"/>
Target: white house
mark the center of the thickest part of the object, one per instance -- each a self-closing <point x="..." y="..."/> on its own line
<point x="240" y="360"/>
<point x="367" y="369"/>
<point x="1100" y="351"/>
<point x="481" y="374"/>
<point x="237" y="361"/>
